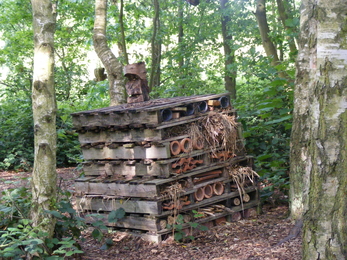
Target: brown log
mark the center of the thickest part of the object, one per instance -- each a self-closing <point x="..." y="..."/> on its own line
<point x="246" y="198"/>
<point x="236" y="201"/>
<point x="137" y="86"/>
<point x="250" y="213"/>
<point x="138" y="69"/>
<point x="236" y="216"/>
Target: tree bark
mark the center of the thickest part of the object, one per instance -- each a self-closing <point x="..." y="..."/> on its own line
<point x="113" y="67"/>
<point x="319" y="135"/>
<point x="230" y="71"/>
<point x="154" y="79"/>
<point x="264" y="30"/>
<point x="44" y="176"/>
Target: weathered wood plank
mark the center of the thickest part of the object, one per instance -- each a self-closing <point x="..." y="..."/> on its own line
<point x="108" y="204"/>
<point x="136" y="152"/>
<point x="138" y="169"/>
<point x="131" y="135"/>
<point x="132" y="222"/>
<point x="143" y="113"/>
<point x="115" y="189"/>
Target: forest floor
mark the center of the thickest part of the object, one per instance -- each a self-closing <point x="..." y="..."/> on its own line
<point x="252" y="239"/>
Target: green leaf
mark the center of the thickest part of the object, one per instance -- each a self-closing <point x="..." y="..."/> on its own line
<point x="203" y="228"/>
<point x="178" y="236"/>
<point x="116" y="215"/>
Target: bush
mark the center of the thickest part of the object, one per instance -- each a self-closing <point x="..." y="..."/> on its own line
<point x="265" y="111"/>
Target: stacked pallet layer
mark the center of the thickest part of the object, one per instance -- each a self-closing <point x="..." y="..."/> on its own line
<point x="143" y="158"/>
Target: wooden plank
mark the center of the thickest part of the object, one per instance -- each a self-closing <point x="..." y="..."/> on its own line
<point x="108" y="204"/>
<point x="138" y="169"/>
<point x="132" y="222"/>
<point x="143" y="112"/>
<point x="131" y="135"/>
<point x="137" y="152"/>
<point x="116" y="189"/>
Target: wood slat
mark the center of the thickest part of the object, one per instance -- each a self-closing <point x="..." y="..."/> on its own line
<point x="87" y="204"/>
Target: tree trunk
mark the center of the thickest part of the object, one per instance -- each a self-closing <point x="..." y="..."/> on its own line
<point x="264" y="30"/>
<point x="229" y="55"/>
<point x="113" y="67"/>
<point x="122" y="43"/>
<point x="44" y="176"/>
<point x="283" y="13"/>
<point x="154" y="79"/>
<point x="319" y="135"/>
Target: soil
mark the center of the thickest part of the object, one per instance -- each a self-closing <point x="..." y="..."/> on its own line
<point x="252" y="239"/>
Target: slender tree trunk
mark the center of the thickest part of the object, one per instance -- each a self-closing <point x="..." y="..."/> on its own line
<point x="113" y="67"/>
<point x="230" y="71"/>
<point x="264" y="30"/>
<point x="44" y="176"/>
<point x="319" y="135"/>
<point x="122" y="43"/>
<point x="283" y="13"/>
<point x="180" y="35"/>
<point x="154" y="79"/>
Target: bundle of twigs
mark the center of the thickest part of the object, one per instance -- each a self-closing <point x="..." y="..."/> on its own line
<point x="217" y="130"/>
<point x="241" y="175"/>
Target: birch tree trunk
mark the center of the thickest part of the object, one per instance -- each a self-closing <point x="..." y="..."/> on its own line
<point x="113" y="67"/>
<point x="319" y="135"/>
<point x="44" y="176"/>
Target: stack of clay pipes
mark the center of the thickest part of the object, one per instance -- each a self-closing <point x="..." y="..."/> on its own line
<point x="185" y="145"/>
<point x="185" y="164"/>
<point x="208" y="190"/>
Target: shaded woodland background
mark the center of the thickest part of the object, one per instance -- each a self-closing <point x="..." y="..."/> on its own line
<point x="188" y="49"/>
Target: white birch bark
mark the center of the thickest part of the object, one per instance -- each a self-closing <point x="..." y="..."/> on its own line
<point x="319" y="137"/>
<point x="44" y="114"/>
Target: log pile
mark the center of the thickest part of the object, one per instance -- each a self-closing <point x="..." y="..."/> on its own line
<point x="162" y="158"/>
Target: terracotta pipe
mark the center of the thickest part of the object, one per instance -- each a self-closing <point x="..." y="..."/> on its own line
<point x="198" y="144"/>
<point x="196" y="180"/>
<point x="218" y="188"/>
<point x="199" y="195"/>
<point x="208" y="190"/>
<point x="186" y="145"/>
<point x="175" y="147"/>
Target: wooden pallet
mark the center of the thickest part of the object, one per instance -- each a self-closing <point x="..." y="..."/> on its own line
<point x="147" y="113"/>
<point x="149" y="227"/>
<point x="92" y="203"/>
<point x="140" y="187"/>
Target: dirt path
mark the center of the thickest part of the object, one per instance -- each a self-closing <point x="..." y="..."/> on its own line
<point x="246" y="239"/>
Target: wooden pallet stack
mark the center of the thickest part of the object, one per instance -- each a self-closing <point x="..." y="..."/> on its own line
<point x="144" y="158"/>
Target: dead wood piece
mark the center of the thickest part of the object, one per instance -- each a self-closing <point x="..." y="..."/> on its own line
<point x="246" y="198"/>
<point x="163" y="223"/>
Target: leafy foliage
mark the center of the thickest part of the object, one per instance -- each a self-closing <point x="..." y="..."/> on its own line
<point x="18" y="237"/>
<point x="183" y="232"/>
